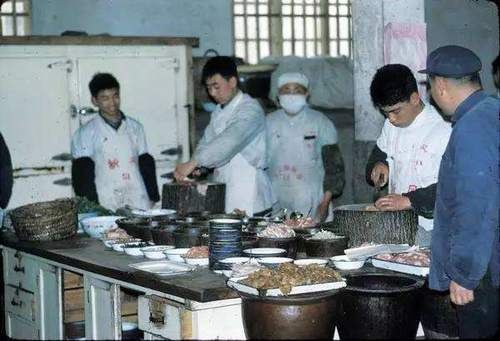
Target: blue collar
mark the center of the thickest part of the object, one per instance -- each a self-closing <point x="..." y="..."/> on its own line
<point x="467" y="104"/>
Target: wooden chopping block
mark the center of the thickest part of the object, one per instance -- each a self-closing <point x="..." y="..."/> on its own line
<point x="194" y="197"/>
<point x="360" y="225"/>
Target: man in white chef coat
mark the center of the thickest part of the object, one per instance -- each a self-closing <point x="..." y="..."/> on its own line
<point x="234" y="142"/>
<point x="111" y="164"/>
<point x="305" y="163"/>
<point x="409" y="149"/>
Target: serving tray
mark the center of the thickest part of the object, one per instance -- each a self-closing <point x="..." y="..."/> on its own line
<point x="163" y="267"/>
<point x="401" y="267"/>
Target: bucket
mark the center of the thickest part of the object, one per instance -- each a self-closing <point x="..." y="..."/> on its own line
<point x="379" y="306"/>
<point x="289" y="244"/>
<point x="325" y="247"/>
<point x="308" y="316"/>
<point x="438" y="316"/>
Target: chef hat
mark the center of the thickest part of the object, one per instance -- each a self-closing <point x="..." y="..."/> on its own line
<point x="293" y="77"/>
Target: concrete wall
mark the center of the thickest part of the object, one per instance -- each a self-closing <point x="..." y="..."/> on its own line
<point x="469" y="23"/>
<point x="209" y="20"/>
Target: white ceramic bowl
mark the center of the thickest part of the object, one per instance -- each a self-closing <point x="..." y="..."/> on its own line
<point x="197" y="261"/>
<point x="119" y="247"/>
<point x="132" y="250"/>
<point x="153" y="212"/>
<point x="96" y="226"/>
<point x="274" y="262"/>
<point x="156" y="252"/>
<point x="308" y="261"/>
<point x="264" y="252"/>
<point x="128" y="326"/>
<point x="345" y="263"/>
<point x="176" y="254"/>
<point x="234" y="260"/>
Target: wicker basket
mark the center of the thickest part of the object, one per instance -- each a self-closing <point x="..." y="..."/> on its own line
<point x="50" y="220"/>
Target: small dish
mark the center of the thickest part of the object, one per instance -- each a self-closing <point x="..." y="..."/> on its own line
<point x="110" y="242"/>
<point x="96" y="226"/>
<point x="197" y="261"/>
<point x="176" y="254"/>
<point x="264" y="252"/>
<point x="274" y="262"/>
<point x="345" y="263"/>
<point x="156" y="252"/>
<point x="134" y="249"/>
<point x="308" y="261"/>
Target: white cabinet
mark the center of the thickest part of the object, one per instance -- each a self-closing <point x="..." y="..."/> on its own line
<point x="44" y="93"/>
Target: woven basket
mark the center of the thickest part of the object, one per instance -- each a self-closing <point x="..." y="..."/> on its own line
<point x="50" y="220"/>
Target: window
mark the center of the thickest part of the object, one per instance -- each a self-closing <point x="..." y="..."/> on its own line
<point x="15" y="18"/>
<point x="303" y="28"/>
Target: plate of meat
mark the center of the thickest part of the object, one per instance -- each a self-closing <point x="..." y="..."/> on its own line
<point x="414" y="262"/>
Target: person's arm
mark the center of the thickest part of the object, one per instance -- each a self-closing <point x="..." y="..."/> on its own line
<point x="422" y="200"/>
<point x="334" y="180"/>
<point x="240" y="131"/>
<point x="147" y="169"/>
<point x="6" y="178"/>
<point x="83" y="178"/>
<point x="376" y="156"/>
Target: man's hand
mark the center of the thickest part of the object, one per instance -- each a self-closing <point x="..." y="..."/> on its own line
<point x="182" y="170"/>
<point x="393" y="202"/>
<point x="322" y="209"/>
<point x="380" y="174"/>
<point x="460" y="295"/>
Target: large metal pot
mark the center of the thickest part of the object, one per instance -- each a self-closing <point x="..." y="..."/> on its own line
<point x="308" y="316"/>
<point x="361" y="225"/>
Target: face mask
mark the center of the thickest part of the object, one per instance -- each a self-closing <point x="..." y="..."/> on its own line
<point x="292" y="104"/>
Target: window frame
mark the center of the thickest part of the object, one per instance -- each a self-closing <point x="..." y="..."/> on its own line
<point x="14" y="15"/>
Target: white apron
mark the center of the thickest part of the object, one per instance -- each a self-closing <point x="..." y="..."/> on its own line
<point x="117" y="177"/>
<point x="241" y="178"/>
<point x="295" y="167"/>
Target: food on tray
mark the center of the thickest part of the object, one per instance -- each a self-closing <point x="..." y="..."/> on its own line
<point x="300" y="223"/>
<point x="324" y="234"/>
<point x="289" y="275"/>
<point x="245" y="269"/>
<point x="197" y="252"/>
<point x="416" y="258"/>
<point x="276" y="230"/>
<point x="371" y="208"/>
<point x="116" y="233"/>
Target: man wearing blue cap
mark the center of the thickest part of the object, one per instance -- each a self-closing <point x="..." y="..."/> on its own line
<point x="465" y="241"/>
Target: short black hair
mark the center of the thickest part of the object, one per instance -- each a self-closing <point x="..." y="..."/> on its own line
<point x="102" y="81"/>
<point x="392" y="84"/>
<point x="223" y="65"/>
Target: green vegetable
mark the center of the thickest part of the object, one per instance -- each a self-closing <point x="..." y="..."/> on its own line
<point x="85" y="205"/>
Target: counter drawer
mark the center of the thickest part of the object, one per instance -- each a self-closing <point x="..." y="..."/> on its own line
<point x="19" y="328"/>
<point x="159" y="316"/>
<point x="20" y="303"/>
<point x="20" y="270"/>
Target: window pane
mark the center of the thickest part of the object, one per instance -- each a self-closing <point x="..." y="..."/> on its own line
<point x="7" y="26"/>
<point x="239" y="49"/>
<point x="21" y="26"/>
<point x="319" y="32"/>
<point x="310" y="28"/>
<point x="7" y="7"/>
<point x="333" y="49"/>
<point x="310" y="52"/>
<point x="298" y="10"/>
<point x="287" y="48"/>
<point x="332" y="10"/>
<point x="239" y="28"/>
<point x="251" y="9"/>
<point x="263" y="28"/>
<point x="286" y="10"/>
<point x="333" y="27"/>
<point x="252" y="52"/>
<point x="264" y="48"/>
<point x="286" y="1"/>
<point x="287" y="28"/>
<point x="21" y="6"/>
<point x="343" y="10"/>
<point x="251" y="28"/>
<point x="310" y="1"/>
<point x="344" y="47"/>
<point x="319" y="48"/>
<point x="299" y="48"/>
<point x="310" y="10"/>
<point x="298" y="27"/>
<point x="344" y="27"/>
<point x="239" y="9"/>
<point x="263" y="9"/>
<point x="343" y="1"/>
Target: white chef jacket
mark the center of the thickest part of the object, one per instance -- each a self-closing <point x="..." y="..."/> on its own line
<point x="234" y="144"/>
<point x="115" y="154"/>
<point x="294" y="157"/>
<point x="414" y="153"/>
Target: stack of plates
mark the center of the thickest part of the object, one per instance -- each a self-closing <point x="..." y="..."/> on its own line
<point x="225" y="240"/>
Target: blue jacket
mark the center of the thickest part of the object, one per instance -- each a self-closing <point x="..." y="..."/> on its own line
<point x="465" y="239"/>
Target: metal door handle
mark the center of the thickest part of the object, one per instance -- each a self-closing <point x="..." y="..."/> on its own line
<point x="62" y="157"/>
<point x="62" y="182"/>
<point x="13" y="302"/>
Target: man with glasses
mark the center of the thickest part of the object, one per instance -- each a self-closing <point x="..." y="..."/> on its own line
<point x="409" y="149"/>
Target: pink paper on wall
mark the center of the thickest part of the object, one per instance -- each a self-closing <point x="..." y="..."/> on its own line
<point x="406" y="43"/>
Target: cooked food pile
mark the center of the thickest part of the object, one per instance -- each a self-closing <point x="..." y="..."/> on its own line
<point x="116" y="233"/>
<point x="289" y="275"/>
<point x="245" y="269"/>
<point x="303" y="222"/>
<point x="417" y="258"/>
<point x="324" y="234"/>
<point x="197" y="252"/>
<point x="277" y="231"/>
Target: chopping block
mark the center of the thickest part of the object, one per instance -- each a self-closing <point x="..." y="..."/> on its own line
<point x="194" y="197"/>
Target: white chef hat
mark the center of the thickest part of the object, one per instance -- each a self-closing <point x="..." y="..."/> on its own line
<point x="293" y="77"/>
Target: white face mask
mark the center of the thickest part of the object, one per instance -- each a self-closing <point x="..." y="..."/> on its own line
<point x="292" y="104"/>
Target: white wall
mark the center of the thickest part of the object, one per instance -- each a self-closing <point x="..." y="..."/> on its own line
<point x="209" y="20"/>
